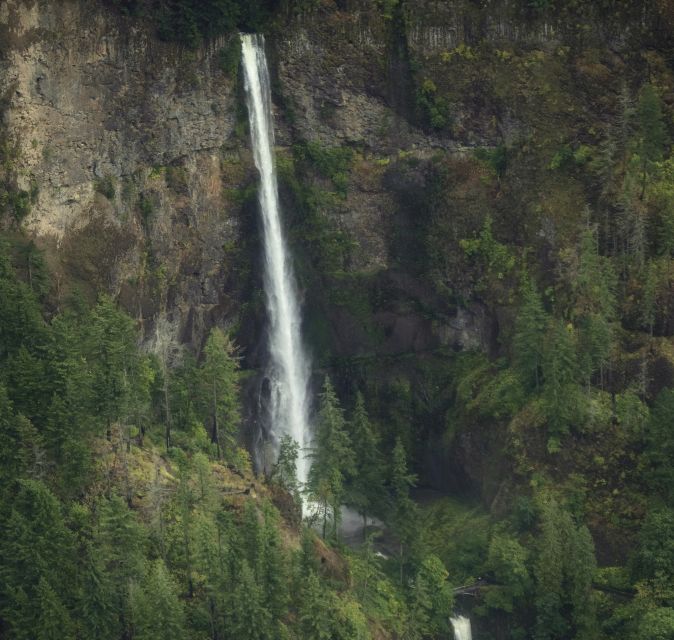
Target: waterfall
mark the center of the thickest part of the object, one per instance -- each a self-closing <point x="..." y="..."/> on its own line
<point x="289" y="367"/>
<point x="461" y="626"/>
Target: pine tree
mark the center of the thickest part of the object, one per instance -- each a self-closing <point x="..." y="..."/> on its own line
<point x="21" y="322"/>
<point x="594" y="306"/>
<point x="285" y="469"/>
<point x="96" y="599"/>
<point x="219" y="390"/>
<point x="660" y="446"/>
<point x="651" y="132"/>
<point x="333" y="459"/>
<point x="272" y="572"/>
<point x="315" y="611"/>
<point x="432" y="598"/>
<point x="560" y="392"/>
<point x="529" y="338"/>
<point x="403" y="509"/>
<point x="53" y="620"/>
<point x="35" y="560"/>
<point x="250" y="619"/>
<point x="157" y="610"/>
<point x="27" y="385"/>
<point x="168" y="353"/>
<point x="563" y="572"/>
<point x="366" y="488"/>
<point x="120" y="539"/>
<point x="19" y="442"/>
<point x="114" y="354"/>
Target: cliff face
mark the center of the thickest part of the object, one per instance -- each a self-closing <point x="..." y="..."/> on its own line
<point x="140" y="166"/>
<point x="131" y="144"/>
<point x="430" y="132"/>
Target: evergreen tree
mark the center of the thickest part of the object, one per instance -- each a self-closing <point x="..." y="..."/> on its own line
<point x="53" y="621"/>
<point x="333" y="459"/>
<point x="168" y="353"/>
<point x="507" y="562"/>
<point x="651" y="136"/>
<point x="250" y="619"/>
<point x="660" y="445"/>
<point x="27" y="385"/>
<point x="97" y="617"/>
<point x="36" y="564"/>
<point x="530" y="333"/>
<point x="366" y="487"/>
<point x="121" y="540"/>
<point x="560" y="392"/>
<point x="653" y="562"/>
<point x="184" y="392"/>
<point x="315" y="611"/>
<point x="285" y="469"/>
<point x="11" y="443"/>
<point x="432" y="598"/>
<point x="563" y="571"/>
<point x="157" y="610"/>
<point x="594" y="306"/>
<point x="21" y="322"/>
<point x="219" y="390"/>
<point x="403" y="509"/>
<point x="272" y="572"/>
<point x="114" y="354"/>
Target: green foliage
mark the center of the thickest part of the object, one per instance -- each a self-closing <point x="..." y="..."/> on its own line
<point x="332" y="459"/>
<point x="106" y="186"/>
<point x="315" y="613"/>
<point x="327" y="247"/>
<point x="561" y="394"/>
<point x="652" y="135"/>
<point x="432" y="598"/>
<point x="657" y="624"/>
<point x="494" y="258"/>
<point x="496" y="158"/>
<point x="333" y="163"/>
<point x="365" y="488"/>
<point x="660" y="445"/>
<point x="434" y="109"/>
<point x="191" y="22"/>
<point x="219" y="391"/>
<point x="229" y="58"/>
<point x="285" y="469"/>
<point x="35" y="564"/>
<point x="156" y="608"/>
<point x="458" y="534"/>
<point x="508" y="563"/>
<point x="563" y="574"/>
<point x="113" y="348"/>
<point x="654" y="558"/>
<point x="403" y="510"/>
<point x="530" y="336"/>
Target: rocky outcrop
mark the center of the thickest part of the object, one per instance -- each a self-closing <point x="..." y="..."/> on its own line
<point x="133" y="147"/>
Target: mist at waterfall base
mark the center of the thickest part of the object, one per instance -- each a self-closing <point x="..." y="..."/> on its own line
<point x="288" y="371"/>
<point x="461" y="626"/>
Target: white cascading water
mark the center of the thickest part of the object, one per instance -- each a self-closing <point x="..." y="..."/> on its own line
<point x="462" y="630"/>
<point x="289" y="368"/>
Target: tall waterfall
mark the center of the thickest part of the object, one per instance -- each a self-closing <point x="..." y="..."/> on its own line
<point x="289" y="368"/>
<point x="462" y="630"/>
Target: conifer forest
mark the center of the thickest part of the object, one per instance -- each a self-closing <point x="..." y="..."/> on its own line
<point x="337" y="319"/>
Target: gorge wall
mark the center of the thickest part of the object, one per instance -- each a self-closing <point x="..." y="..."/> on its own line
<point x="393" y="143"/>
